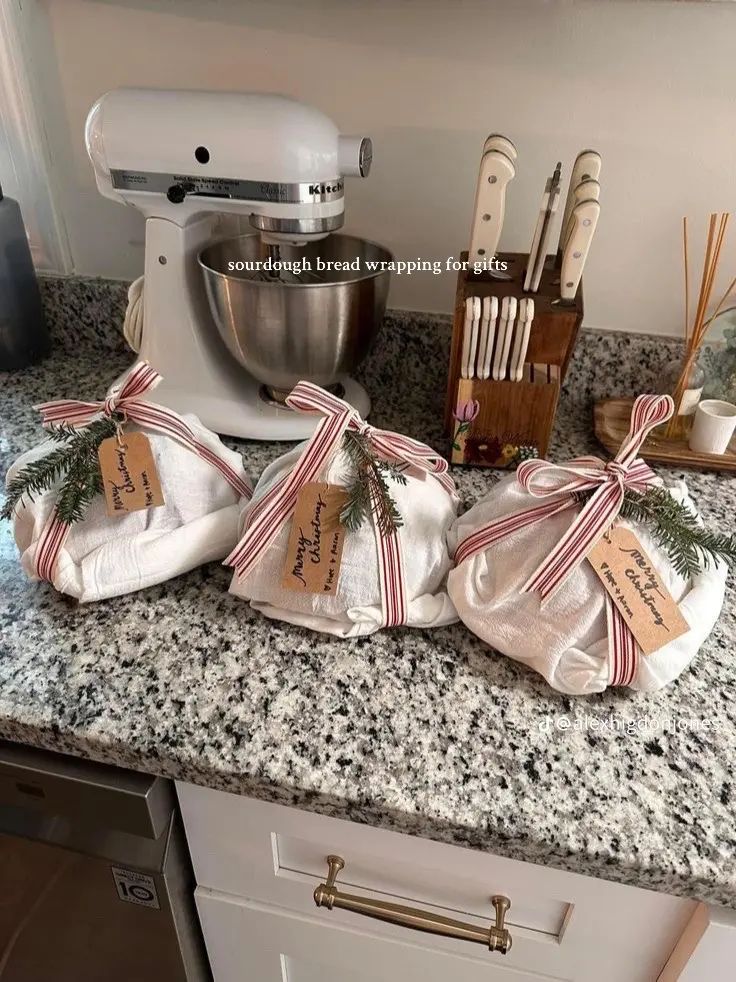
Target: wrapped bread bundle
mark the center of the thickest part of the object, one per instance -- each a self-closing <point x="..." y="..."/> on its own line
<point x="347" y="533"/>
<point x="76" y="529"/>
<point x="551" y="573"/>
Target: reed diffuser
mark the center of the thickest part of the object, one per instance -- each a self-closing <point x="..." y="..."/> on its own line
<point x="697" y="328"/>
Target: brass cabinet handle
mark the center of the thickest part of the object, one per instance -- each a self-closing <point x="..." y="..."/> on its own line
<point x="496" y="937"/>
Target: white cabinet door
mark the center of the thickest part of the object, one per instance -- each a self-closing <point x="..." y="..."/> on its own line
<point x="252" y="942"/>
<point x="564" y="926"/>
<point x="706" y="952"/>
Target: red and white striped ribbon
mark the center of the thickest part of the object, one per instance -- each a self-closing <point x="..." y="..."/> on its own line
<point x="270" y="513"/>
<point x="623" y="651"/>
<point x="543" y="479"/>
<point x="124" y="398"/>
<point x="561" y="482"/>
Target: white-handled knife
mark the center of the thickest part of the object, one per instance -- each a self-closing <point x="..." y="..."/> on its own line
<point x="496" y="170"/>
<point x="498" y="142"/>
<point x="587" y="166"/>
<point x="505" y="332"/>
<point x="474" y="332"/>
<point x="485" y="321"/>
<point x="487" y="352"/>
<point x="521" y="338"/>
<point x="513" y="309"/>
<point x="503" y="319"/>
<point x="467" y="326"/>
<point x="583" y="222"/>
<point x="585" y="191"/>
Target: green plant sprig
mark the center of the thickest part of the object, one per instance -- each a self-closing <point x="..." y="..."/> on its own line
<point x="74" y="462"/>
<point x="369" y="492"/>
<point x="690" y="547"/>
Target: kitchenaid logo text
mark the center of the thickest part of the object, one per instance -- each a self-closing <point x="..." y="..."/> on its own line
<point x="401" y="267"/>
<point x="332" y="188"/>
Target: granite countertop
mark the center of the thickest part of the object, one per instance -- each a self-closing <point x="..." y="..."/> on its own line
<point x="427" y="732"/>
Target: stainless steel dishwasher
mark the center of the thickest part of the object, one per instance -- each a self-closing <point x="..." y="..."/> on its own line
<point x="95" y="879"/>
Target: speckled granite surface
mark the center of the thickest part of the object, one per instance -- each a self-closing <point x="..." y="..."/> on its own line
<point x="428" y="732"/>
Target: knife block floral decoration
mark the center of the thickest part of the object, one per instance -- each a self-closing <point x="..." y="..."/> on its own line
<point x="499" y="422"/>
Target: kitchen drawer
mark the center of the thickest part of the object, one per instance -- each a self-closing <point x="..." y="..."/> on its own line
<point x="563" y="925"/>
<point x="252" y="942"/>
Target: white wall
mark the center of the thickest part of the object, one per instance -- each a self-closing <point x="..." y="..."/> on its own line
<point x="652" y="85"/>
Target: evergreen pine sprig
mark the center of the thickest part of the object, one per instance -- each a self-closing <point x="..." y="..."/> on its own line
<point x="369" y="493"/>
<point x="75" y="459"/>
<point x="690" y="547"/>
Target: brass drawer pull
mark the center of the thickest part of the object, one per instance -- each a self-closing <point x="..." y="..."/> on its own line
<point x="496" y="936"/>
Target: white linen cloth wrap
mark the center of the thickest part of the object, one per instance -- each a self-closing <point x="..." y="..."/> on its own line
<point x="105" y="557"/>
<point x="427" y="510"/>
<point x="565" y="638"/>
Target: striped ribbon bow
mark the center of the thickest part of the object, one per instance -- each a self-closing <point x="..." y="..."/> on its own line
<point x="562" y="483"/>
<point x="125" y="398"/>
<point x="542" y="479"/>
<point x="269" y="514"/>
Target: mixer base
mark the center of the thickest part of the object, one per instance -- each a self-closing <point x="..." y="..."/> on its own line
<point x="246" y="414"/>
<point x="278" y="397"/>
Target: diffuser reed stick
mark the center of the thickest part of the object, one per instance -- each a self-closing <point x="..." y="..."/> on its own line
<point x="722" y="301"/>
<point x="695" y="334"/>
<point x="687" y="276"/>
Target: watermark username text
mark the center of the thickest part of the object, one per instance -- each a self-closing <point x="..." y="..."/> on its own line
<point x="627" y="725"/>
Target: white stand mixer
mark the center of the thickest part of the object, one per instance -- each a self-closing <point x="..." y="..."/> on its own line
<point x="183" y="158"/>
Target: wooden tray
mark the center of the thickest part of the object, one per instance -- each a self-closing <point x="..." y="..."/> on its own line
<point x="611" y="422"/>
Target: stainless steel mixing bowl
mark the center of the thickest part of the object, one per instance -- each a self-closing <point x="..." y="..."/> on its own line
<point x="282" y="330"/>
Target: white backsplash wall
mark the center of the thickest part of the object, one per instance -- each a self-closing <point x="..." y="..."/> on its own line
<point x="651" y="85"/>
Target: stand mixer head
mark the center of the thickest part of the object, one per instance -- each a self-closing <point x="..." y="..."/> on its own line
<point x="184" y="158"/>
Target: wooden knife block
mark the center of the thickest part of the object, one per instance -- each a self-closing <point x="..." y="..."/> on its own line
<point x="513" y="417"/>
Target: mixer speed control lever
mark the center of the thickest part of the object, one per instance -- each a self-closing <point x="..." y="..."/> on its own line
<point x="178" y="192"/>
